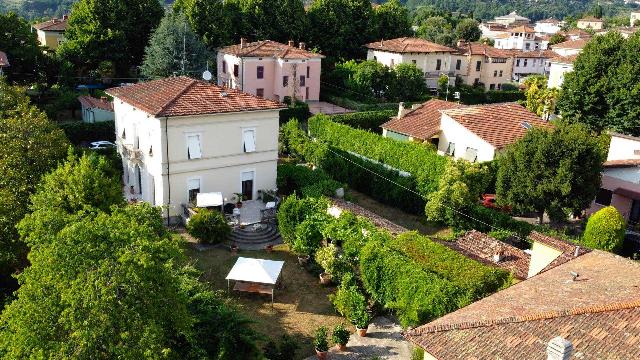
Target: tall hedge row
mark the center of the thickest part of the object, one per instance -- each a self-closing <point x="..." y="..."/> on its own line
<point x="421" y="161"/>
<point x="80" y="132"/>
<point x="366" y="120"/>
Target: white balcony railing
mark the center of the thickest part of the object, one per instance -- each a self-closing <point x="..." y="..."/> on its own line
<point x="128" y="151"/>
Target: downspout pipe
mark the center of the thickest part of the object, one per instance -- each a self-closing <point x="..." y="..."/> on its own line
<point x="166" y="135"/>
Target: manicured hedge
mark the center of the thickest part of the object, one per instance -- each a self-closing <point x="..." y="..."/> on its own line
<point x="298" y="111"/>
<point x="311" y="183"/>
<point x="79" y="132"/>
<point x="499" y="96"/>
<point x="366" y="120"/>
<point x="360" y="106"/>
<point x="422" y="162"/>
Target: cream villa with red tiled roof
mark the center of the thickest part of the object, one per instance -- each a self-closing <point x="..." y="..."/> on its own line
<point x="433" y="59"/>
<point x="570" y="47"/>
<point x="179" y="136"/>
<point x="478" y="63"/>
<point x="521" y="37"/>
<point x="271" y="70"/>
<point x="590" y="22"/>
<point x="558" y="67"/>
<point x="473" y="133"/>
<point x="589" y="306"/>
<point x="51" y="32"/>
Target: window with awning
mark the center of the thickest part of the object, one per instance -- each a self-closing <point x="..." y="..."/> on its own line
<point x="249" y="140"/>
<point x="193" y="147"/>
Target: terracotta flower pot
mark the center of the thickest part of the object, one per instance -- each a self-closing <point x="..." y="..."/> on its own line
<point x="234" y="250"/>
<point x="341" y="347"/>
<point x="325" y="279"/>
<point x="269" y="248"/>
<point x="361" y="332"/>
<point x="322" y="355"/>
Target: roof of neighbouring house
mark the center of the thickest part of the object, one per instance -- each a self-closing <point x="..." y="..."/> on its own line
<point x="182" y="96"/>
<point x="591" y="19"/>
<point x="54" y="24"/>
<point x="564" y="59"/>
<point x="622" y="163"/>
<point x="538" y="54"/>
<point x="599" y="313"/>
<point x="408" y="45"/>
<point x="91" y="102"/>
<point x="477" y="48"/>
<point x="423" y="122"/>
<point x="549" y="21"/>
<point x="498" y="124"/>
<point x="482" y="247"/>
<point x="569" y="250"/>
<point x="512" y="15"/>
<point x="269" y="48"/>
<point x="571" y="44"/>
<point x="522" y="29"/>
<point x="4" y="61"/>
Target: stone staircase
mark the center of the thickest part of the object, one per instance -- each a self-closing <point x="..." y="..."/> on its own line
<point x="255" y="236"/>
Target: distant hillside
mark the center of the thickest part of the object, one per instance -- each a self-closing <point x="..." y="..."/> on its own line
<point x="33" y="9"/>
<point x="533" y="9"/>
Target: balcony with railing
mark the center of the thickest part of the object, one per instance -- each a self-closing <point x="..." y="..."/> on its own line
<point x="128" y="151"/>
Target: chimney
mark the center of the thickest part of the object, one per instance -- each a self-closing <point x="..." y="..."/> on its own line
<point x="291" y="43"/>
<point x="460" y="43"/>
<point x="302" y="45"/>
<point x="559" y="348"/>
<point x="65" y="17"/>
<point x="243" y="42"/>
<point x="54" y="20"/>
<point x="402" y="110"/>
<point x="498" y="256"/>
<point x="381" y="42"/>
<point x="415" y="106"/>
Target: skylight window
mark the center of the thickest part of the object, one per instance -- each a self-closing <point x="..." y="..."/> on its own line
<point x="526" y="125"/>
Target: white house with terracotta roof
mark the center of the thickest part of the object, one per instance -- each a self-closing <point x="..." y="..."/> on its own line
<point x="179" y="137"/>
<point x="570" y="47"/>
<point x="620" y="185"/>
<point x="51" y="33"/>
<point x="433" y="59"/>
<point x="548" y="26"/>
<point x="558" y="67"/>
<point x="96" y="110"/>
<point x="4" y="61"/>
<point x="474" y="133"/>
<point x="511" y="19"/>
<point x="521" y="38"/>
<point x="271" y="70"/>
<point x="479" y="63"/>
<point x="527" y="63"/>
<point x="590" y="22"/>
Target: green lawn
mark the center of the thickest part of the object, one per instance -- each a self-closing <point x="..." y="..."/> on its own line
<point x="298" y="309"/>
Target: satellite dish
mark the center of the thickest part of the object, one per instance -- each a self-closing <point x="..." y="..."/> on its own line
<point x="207" y="75"/>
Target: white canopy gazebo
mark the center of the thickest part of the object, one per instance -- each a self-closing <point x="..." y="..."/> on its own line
<point x="255" y="275"/>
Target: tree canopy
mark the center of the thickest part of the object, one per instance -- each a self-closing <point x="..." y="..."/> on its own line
<point x="390" y="21"/>
<point x="468" y="30"/>
<point x="540" y="99"/>
<point x="553" y="171"/>
<point x="163" y="55"/>
<point x="436" y="29"/>
<point x="603" y="91"/>
<point x="217" y="22"/>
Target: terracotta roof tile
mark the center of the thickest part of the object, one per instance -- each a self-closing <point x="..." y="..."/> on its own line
<point x="591" y="19"/>
<point x="599" y="313"/>
<point x="564" y="59"/>
<point x="477" y="48"/>
<point x="568" y="249"/>
<point x="408" y="45"/>
<point x="622" y="163"/>
<point x="522" y="29"/>
<point x="269" y="48"/>
<point x="498" y="124"/>
<point x="91" y="102"/>
<point x="482" y="247"/>
<point x="571" y="44"/>
<point x="4" y="61"/>
<point x="538" y="54"/>
<point x="421" y="123"/>
<point x="549" y="21"/>
<point x="52" y="25"/>
<point x="181" y="96"/>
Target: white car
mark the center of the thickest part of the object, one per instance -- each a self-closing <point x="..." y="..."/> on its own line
<point x="101" y="145"/>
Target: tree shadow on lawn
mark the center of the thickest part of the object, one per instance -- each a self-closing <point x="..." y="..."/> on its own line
<point x="299" y="308"/>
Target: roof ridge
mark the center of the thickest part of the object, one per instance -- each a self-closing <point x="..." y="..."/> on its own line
<point x="591" y="309"/>
<point x="180" y="93"/>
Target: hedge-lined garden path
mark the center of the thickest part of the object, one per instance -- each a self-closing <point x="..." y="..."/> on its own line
<point x="383" y="341"/>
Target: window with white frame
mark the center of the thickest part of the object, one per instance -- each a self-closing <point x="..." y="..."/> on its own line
<point x="193" y="188"/>
<point x="194" y="150"/>
<point x="249" y="140"/>
<point x="451" y="148"/>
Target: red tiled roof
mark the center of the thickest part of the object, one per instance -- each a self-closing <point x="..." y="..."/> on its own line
<point x="498" y="124"/>
<point x="628" y="193"/>
<point x="564" y="59"/>
<point x="622" y="163"/>
<point x="181" y="96"/>
<point x="423" y="122"/>
<point x="4" y="61"/>
<point x="549" y="21"/>
<point x="538" y="54"/>
<point x="568" y="249"/>
<point x="408" y="45"/>
<point x="477" y="48"/>
<point x="571" y="44"/>
<point x="482" y="247"/>
<point x="522" y="29"/>
<point x="268" y="48"/>
<point x="91" y="102"/>
<point x="52" y="25"/>
<point x="598" y="312"/>
<point x="591" y="19"/>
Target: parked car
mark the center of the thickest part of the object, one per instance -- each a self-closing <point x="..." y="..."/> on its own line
<point x="489" y="201"/>
<point x="101" y="145"/>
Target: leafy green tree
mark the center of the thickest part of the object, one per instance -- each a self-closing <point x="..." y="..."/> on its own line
<point x="556" y="38"/>
<point x="436" y="29"/>
<point x="423" y="13"/>
<point x="459" y="188"/>
<point x="116" y="286"/>
<point x="30" y="146"/>
<point x="339" y="28"/>
<point x="163" y="55"/>
<point x="551" y="171"/>
<point x="279" y="20"/>
<point x="109" y="30"/>
<point x="597" y="11"/>
<point x="371" y="77"/>
<point x="407" y="83"/>
<point x="209" y="227"/>
<point x="28" y="63"/>
<point x="540" y="99"/>
<point x="605" y="230"/>
<point x="390" y="21"/>
<point x="468" y="30"/>
<point x="218" y="22"/>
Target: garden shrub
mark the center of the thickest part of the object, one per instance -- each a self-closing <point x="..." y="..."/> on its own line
<point x="340" y="335"/>
<point x="209" y="227"/>
<point x="311" y="183"/>
<point x="349" y="231"/>
<point x="81" y="132"/>
<point x="283" y="350"/>
<point x="308" y="237"/>
<point x="366" y="120"/>
<point x="499" y="96"/>
<point x="299" y="111"/>
<point x="295" y="142"/>
<point x="293" y="211"/>
<point x="350" y="302"/>
<point x="605" y="230"/>
<point x="332" y="262"/>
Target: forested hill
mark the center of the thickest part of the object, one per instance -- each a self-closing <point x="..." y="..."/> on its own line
<point x="33" y="9"/>
<point x="533" y="9"/>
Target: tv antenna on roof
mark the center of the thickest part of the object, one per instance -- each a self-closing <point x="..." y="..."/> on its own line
<point x="206" y="75"/>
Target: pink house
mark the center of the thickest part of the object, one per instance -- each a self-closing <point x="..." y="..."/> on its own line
<point x="271" y="70"/>
<point x="620" y="186"/>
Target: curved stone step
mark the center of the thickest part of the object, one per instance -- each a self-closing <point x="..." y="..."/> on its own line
<point x="248" y="237"/>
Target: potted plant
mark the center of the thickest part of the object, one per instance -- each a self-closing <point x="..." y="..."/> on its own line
<point x="320" y="342"/>
<point x="340" y="337"/>
<point x="234" y="249"/>
<point x="269" y="248"/>
<point x="361" y="321"/>
<point x="303" y="259"/>
<point x="239" y="198"/>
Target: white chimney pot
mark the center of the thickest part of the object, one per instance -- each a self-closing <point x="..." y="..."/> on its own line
<point x="559" y="348"/>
